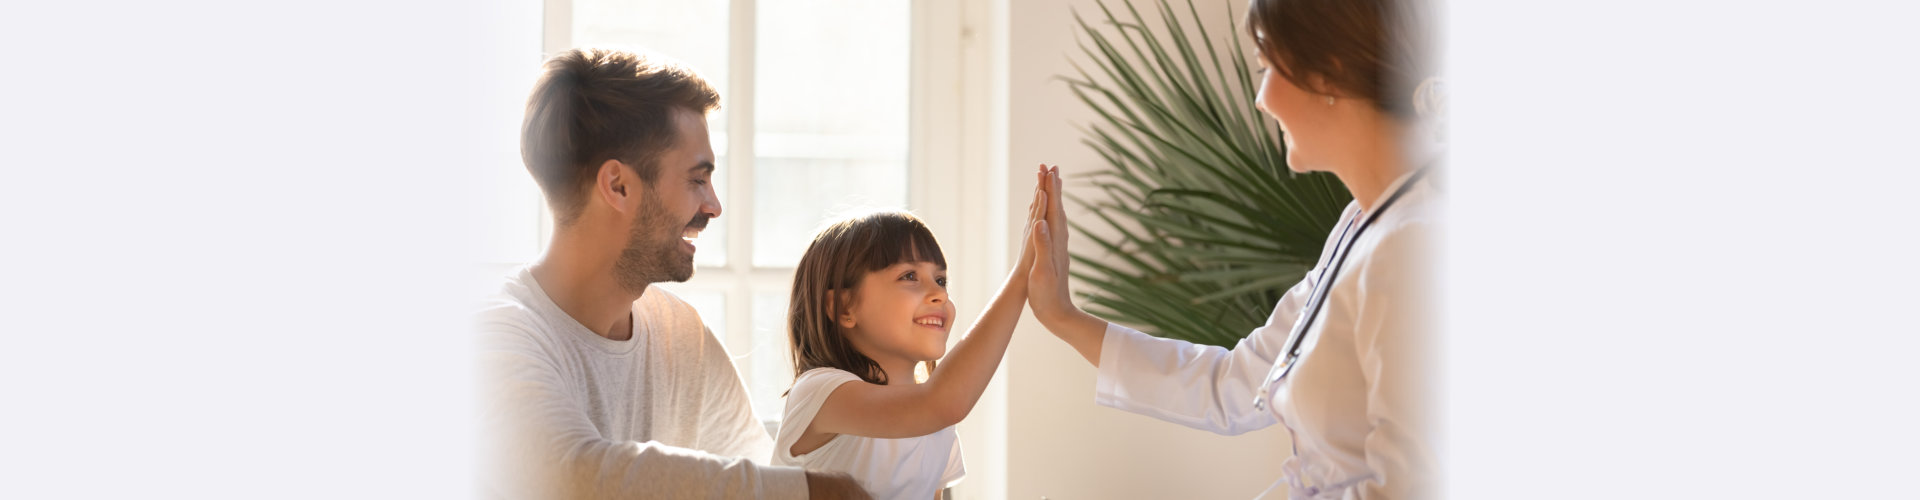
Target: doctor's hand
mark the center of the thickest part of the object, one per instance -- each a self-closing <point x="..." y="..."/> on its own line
<point x="1047" y="283"/>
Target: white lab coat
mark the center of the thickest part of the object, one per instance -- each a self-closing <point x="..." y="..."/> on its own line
<point x="1359" y="401"/>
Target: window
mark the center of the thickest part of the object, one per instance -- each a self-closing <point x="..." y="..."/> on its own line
<point x="815" y="123"/>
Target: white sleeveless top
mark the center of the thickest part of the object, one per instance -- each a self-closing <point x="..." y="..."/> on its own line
<point x="911" y="468"/>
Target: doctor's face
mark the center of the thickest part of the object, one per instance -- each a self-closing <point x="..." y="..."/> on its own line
<point x="1303" y="116"/>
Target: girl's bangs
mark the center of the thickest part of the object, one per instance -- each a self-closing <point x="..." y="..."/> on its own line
<point x="900" y="237"/>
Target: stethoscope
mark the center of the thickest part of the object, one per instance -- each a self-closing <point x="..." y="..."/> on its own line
<point x="1324" y="286"/>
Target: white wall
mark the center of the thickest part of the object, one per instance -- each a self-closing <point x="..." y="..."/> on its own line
<point x="1059" y="443"/>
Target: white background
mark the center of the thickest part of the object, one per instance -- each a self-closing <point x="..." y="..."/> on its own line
<point x="1682" y="254"/>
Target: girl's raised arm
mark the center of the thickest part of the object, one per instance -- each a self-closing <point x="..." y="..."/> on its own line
<point x="907" y="410"/>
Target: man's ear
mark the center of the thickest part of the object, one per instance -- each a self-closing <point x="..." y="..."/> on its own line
<point x="618" y="185"/>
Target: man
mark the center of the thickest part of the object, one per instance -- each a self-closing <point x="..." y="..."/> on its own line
<point x="597" y="385"/>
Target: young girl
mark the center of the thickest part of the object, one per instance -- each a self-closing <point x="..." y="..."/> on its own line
<point x="869" y="303"/>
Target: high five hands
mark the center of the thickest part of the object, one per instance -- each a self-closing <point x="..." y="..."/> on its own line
<point x="1046" y="250"/>
<point x="1047" y="241"/>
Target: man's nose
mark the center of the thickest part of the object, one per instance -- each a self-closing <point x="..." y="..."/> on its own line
<point x="712" y="205"/>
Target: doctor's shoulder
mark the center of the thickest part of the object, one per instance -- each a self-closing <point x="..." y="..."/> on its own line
<point x="1411" y="229"/>
<point x="1399" y="270"/>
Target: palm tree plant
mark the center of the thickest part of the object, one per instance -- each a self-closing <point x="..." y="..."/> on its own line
<point x="1203" y="226"/>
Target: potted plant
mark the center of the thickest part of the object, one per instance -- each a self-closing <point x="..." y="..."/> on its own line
<point x="1201" y="224"/>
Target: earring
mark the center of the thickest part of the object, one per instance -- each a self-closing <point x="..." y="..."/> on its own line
<point x="1329" y="100"/>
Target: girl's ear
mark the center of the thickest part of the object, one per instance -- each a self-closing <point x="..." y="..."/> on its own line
<point x="841" y="303"/>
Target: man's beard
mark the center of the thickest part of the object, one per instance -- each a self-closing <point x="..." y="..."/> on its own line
<point x="653" y="255"/>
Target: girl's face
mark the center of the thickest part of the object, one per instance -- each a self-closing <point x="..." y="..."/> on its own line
<point x="1304" y="117"/>
<point x="900" y="316"/>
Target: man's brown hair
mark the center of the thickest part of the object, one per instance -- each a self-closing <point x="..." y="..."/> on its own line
<point x="824" y="282"/>
<point x="594" y="105"/>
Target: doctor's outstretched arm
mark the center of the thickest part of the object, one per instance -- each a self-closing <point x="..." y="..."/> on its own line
<point x="1201" y="386"/>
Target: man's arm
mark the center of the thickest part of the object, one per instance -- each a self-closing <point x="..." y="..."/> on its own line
<point x="728" y="415"/>
<point x="544" y="446"/>
<point x="832" y="485"/>
<point x="728" y="424"/>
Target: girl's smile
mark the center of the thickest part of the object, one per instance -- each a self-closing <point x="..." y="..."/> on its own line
<point x="934" y="321"/>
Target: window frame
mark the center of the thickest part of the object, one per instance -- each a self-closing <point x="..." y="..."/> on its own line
<point x="942" y="137"/>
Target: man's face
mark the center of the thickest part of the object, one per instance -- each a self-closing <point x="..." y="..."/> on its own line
<point x="673" y="210"/>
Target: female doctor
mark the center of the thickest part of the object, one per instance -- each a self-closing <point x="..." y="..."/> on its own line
<point x="1346" y="360"/>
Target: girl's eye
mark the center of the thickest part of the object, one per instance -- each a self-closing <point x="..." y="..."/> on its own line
<point x="910" y="276"/>
<point x="941" y="280"/>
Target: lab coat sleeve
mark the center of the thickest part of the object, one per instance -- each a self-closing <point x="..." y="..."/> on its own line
<point x="1394" y="341"/>
<point x="1199" y="386"/>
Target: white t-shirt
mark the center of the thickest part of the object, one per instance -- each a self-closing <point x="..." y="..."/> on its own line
<point x="911" y="468"/>
<point x="570" y="414"/>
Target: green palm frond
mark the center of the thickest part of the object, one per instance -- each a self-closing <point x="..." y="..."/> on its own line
<point x="1201" y="226"/>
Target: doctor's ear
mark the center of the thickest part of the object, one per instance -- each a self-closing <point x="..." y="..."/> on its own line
<point x="618" y="185"/>
<point x="1317" y="82"/>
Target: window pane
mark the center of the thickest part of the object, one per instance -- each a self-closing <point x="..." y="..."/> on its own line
<point x="830" y="117"/>
<point x="710" y="250"/>
<point x="771" y="359"/>
<point x="794" y="195"/>
<point x="693" y="32"/>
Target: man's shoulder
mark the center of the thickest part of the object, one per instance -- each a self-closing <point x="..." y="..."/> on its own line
<point x="670" y="310"/>
<point x="508" y="316"/>
<point x="498" y="315"/>
<point x="660" y="297"/>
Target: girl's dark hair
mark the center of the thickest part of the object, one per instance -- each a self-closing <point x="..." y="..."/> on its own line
<point x="1377" y="50"/>
<point x="841" y="254"/>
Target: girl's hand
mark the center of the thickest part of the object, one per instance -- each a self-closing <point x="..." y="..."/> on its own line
<point x="1036" y="212"/>
<point x="1047" y="283"/>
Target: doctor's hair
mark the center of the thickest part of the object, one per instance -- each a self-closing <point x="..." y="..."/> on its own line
<point x="826" y="282"/>
<point x="1376" y="50"/>
<point x="594" y="105"/>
